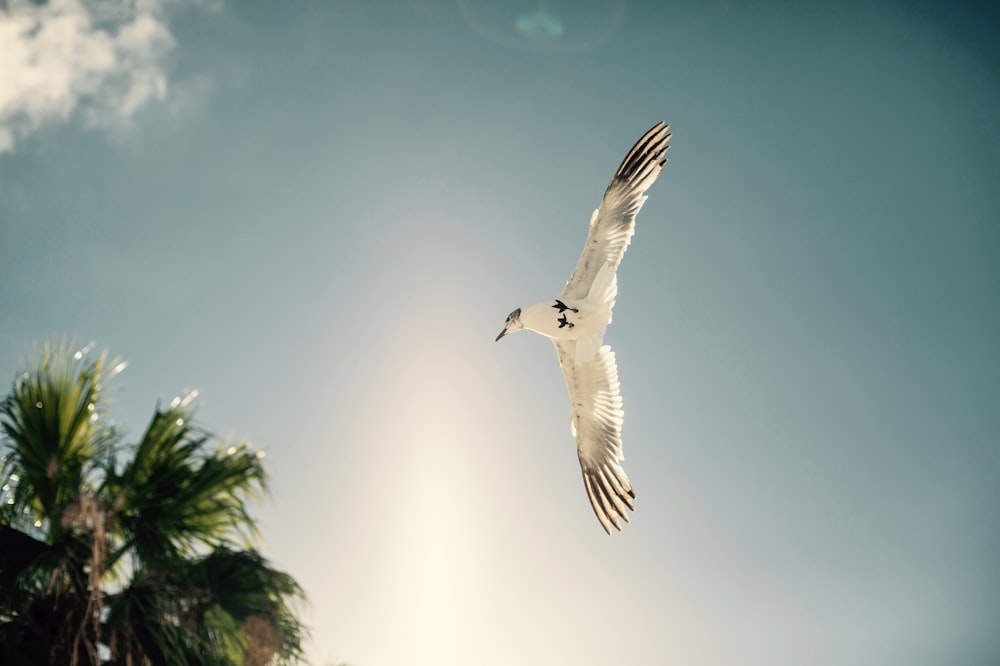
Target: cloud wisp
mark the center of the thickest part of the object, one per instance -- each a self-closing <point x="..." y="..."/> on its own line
<point x="66" y="60"/>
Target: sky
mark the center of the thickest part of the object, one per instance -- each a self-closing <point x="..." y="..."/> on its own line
<point x="319" y="214"/>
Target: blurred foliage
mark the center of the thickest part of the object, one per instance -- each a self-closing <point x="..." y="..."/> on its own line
<point x="129" y="554"/>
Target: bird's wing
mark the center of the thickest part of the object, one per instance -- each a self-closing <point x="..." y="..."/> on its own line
<point x="596" y="421"/>
<point x="613" y="223"/>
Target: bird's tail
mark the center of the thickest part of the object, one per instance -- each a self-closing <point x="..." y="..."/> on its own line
<point x="604" y="289"/>
<point x="601" y="298"/>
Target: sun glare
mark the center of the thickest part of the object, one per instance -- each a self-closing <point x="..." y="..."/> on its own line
<point x="427" y="563"/>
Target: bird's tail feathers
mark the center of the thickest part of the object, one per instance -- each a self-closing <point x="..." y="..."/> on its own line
<point x="586" y="349"/>
<point x="601" y="299"/>
<point x="604" y="289"/>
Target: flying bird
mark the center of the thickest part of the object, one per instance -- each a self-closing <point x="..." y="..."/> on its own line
<point x="577" y="319"/>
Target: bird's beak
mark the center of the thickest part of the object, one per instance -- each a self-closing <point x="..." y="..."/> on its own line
<point x="502" y="333"/>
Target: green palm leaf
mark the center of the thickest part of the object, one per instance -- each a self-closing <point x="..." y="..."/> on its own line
<point x="173" y="498"/>
<point x="52" y="420"/>
<point x="129" y="554"/>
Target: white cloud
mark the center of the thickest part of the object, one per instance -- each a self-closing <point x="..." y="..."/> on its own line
<point x="80" y="59"/>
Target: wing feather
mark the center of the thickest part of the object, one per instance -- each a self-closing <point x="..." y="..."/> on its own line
<point x="613" y="223"/>
<point x="596" y="417"/>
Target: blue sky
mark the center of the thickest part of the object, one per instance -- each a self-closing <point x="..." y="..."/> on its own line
<point x="319" y="214"/>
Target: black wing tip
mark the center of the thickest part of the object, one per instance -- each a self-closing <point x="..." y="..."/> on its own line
<point x="648" y="153"/>
<point x="608" y="499"/>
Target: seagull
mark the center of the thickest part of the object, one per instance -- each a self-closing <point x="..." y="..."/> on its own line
<point x="577" y="319"/>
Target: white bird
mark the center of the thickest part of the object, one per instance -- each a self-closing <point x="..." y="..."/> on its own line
<point x="577" y="319"/>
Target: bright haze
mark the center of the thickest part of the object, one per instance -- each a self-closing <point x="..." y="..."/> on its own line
<point x="318" y="214"/>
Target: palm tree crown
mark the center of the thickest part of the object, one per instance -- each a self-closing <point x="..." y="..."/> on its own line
<point x="141" y="554"/>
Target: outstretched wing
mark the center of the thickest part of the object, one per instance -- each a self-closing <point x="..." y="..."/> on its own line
<point x="613" y="223"/>
<point x="596" y="421"/>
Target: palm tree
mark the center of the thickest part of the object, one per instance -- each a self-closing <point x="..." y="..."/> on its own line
<point x="141" y="554"/>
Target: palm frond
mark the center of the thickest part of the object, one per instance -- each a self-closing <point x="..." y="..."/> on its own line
<point x="230" y="604"/>
<point x="52" y="421"/>
<point x="173" y="498"/>
<point x="137" y="553"/>
<point x="20" y="556"/>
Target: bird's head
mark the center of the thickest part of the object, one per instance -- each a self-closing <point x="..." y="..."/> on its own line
<point x="512" y="324"/>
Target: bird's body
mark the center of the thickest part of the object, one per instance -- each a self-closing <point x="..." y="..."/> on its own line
<point x="576" y="322"/>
